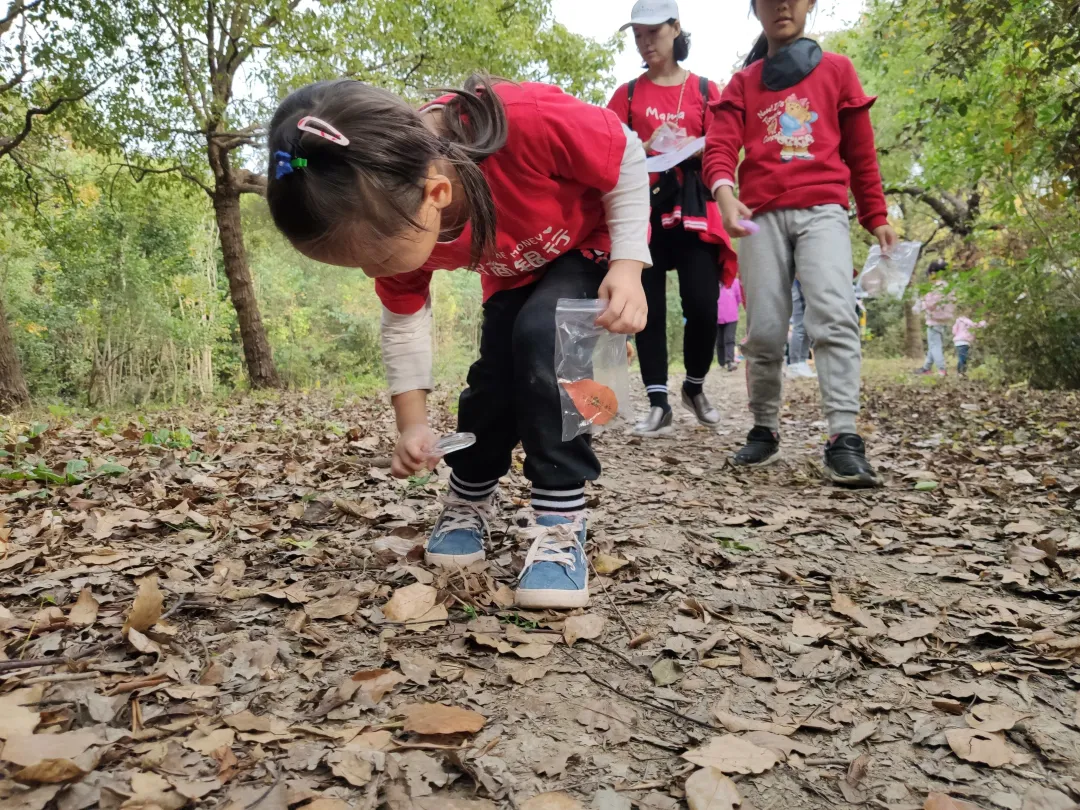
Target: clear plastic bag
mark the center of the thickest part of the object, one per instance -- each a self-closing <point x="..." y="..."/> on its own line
<point x="668" y="138"/>
<point x="888" y="274"/>
<point x="592" y="369"/>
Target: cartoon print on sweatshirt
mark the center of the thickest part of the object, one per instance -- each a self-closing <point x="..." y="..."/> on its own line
<point x="790" y="124"/>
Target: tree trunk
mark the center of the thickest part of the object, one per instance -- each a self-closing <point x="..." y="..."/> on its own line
<point x="257" y="355"/>
<point x="913" y="342"/>
<point x="13" y="390"/>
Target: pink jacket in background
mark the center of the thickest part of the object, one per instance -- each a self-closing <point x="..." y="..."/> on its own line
<point x="938" y="306"/>
<point x="963" y="331"/>
<point x="727" y="310"/>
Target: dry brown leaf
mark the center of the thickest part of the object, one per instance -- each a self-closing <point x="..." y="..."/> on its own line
<point x="915" y="628"/>
<point x="588" y="626"/>
<point x="194" y="789"/>
<point x="736" y="724"/>
<point x="416" y="667"/>
<point x="721" y="661"/>
<point x="15" y="718"/>
<point x="731" y="754"/>
<point x="993" y="717"/>
<point x="940" y="801"/>
<point x="85" y="610"/>
<point x="333" y="608"/>
<point x="981" y="746"/>
<point x="1038" y="797"/>
<point x="435" y="718"/>
<point x="352" y="766"/>
<point x="806" y="626"/>
<point x="375" y="683"/>
<point x="152" y="791"/>
<point x="753" y="667"/>
<point x="410" y="603"/>
<point x="843" y="605"/>
<point x="142" y="643"/>
<point x="606" y="565"/>
<point x="209" y="743"/>
<point x="49" y="772"/>
<point x="30" y="749"/>
<point x="863" y="731"/>
<point x="709" y="789"/>
<point x="556" y="800"/>
<point x="532" y="651"/>
<point x="146" y="609"/>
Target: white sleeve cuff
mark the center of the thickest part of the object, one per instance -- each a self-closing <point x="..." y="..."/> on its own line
<point x="720" y="184"/>
<point x="627" y="205"/>
<point x="406" y="350"/>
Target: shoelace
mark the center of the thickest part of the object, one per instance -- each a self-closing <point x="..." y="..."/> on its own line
<point x="554" y="544"/>
<point x="467" y="515"/>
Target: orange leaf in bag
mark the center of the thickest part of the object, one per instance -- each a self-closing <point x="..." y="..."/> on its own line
<point x="596" y="403"/>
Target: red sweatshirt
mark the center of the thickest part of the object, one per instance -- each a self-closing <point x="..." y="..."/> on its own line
<point x="804" y="145"/>
<point x="561" y="156"/>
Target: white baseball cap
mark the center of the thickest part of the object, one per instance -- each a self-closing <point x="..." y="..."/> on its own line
<point x="652" y="12"/>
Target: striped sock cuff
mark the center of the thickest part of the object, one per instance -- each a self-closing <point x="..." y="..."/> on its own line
<point x="656" y="389"/>
<point x="470" y="491"/>
<point x="558" y="500"/>
<point x="695" y="380"/>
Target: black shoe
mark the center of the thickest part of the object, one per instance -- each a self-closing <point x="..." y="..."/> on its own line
<point x="846" y="464"/>
<point x="762" y="448"/>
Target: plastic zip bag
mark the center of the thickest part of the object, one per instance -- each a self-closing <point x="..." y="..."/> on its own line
<point x="888" y="274"/>
<point x="667" y="138"/>
<point x="592" y="368"/>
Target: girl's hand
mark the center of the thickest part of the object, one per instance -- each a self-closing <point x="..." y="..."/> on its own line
<point x="886" y="237"/>
<point x="733" y="212"/>
<point x="627" y="309"/>
<point x="411" y="453"/>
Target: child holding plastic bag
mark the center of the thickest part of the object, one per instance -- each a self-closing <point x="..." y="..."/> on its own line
<point x="804" y="121"/>
<point x="359" y="178"/>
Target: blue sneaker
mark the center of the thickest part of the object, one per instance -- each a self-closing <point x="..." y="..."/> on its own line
<point x="458" y="537"/>
<point x="556" y="572"/>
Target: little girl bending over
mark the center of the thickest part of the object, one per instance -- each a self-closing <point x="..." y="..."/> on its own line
<point x="804" y="121"/>
<point x="545" y="196"/>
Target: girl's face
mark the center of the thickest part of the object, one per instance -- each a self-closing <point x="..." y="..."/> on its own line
<point x="656" y="43"/>
<point x="784" y="21"/>
<point x="403" y="252"/>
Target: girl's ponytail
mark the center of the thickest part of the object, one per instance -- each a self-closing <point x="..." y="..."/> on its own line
<point x="475" y="125"/>
<point x="758" y="52"/>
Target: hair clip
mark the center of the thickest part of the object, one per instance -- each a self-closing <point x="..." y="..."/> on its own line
<point x="316" y="126"/>
<point x="285" y="163"/>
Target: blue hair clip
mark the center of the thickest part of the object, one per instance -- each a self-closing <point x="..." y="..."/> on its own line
<point x="285" y="163"/>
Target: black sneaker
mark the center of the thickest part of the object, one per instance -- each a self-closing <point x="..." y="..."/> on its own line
<point x="762" y="448"/>
<point x="846" y="464"/>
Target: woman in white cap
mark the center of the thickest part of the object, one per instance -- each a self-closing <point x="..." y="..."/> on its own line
<point x="666" y="105"/>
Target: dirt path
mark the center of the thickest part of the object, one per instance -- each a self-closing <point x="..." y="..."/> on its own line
<point x="823" y="648"/>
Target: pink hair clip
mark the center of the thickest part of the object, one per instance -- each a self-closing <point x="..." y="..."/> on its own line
<point x="316" y="126"/>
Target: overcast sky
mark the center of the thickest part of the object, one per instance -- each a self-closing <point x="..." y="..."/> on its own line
<point x="721" y="29"/>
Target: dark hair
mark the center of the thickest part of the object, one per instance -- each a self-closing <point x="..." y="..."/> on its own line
<point x="936" y="266"/>
<point x="376" y="182"/>
<point x="761" y="47"/>
<point x="681" y="48"/>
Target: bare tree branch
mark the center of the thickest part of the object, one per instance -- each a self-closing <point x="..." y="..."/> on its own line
<point x="140" y="173"/>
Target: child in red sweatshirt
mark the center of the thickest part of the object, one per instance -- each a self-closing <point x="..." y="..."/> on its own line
<point x="804" y="121"/>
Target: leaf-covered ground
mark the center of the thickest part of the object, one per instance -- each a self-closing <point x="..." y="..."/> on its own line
<point x="235" y="613"/>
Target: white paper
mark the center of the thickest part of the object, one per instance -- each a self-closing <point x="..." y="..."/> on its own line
<point x="669" y="160"/>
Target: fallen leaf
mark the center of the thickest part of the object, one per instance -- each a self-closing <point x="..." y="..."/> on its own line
<point x="753" y="667"/>
<point x="843" y="605"/>
<point x="981" y="746"/>
<point x="588" y="626"/>
<point x="209" y="743"/>
<point x="736" y="724"/>
<point x="863" y="731"/>
<point x="146" y="609"/>
<point x="152" y="790"/>
<point x="721" y="661"/>
<point x="556" y="800"/>
<point x="416" y="667"/>
<point x="926" y="486"/>
<point x="410" y="603"/>
<point x="435" y="718"/>
<point x="993" y="717"/>
<point x="606" y="565"/>
<point x="18" y="720"/>
<point x="532" y="651"/>
<point x="709" y="789"/>
<point x="731" y="754"/>
<point x="85" y="610"/>
<point x="333" y="608"/>
<point x="352" y="766"/>
<point x="50" y="772"/>
<point x="915" y="628"/>
<point x="665" y="672"/>
<point x="1038" y="797"/>
<point x="608" y="799"/>
<point x="30" y="749"/>
<point x="143" y="644"/>
<point x="940" y="801"/>
<point x="809" y="627"/>
<point x="375" y="683"/>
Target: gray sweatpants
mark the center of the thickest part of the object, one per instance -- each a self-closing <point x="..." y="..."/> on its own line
<point x="813" y="245"/>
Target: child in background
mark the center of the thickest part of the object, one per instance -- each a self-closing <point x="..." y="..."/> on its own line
<point x="963" y="335"/>
<point x="804" y="121"/>
<point x="727" y="321"/>
<point x="938" y="308"/>
<point x="358" y="178"/>
<point x="798" y="356"/>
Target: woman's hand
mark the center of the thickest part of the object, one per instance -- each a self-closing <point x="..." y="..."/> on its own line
<point x="733" y="212"/>
<point x="627" y="309"/>
<point x="411" y="453"/>
<point x="886" y="237"/>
